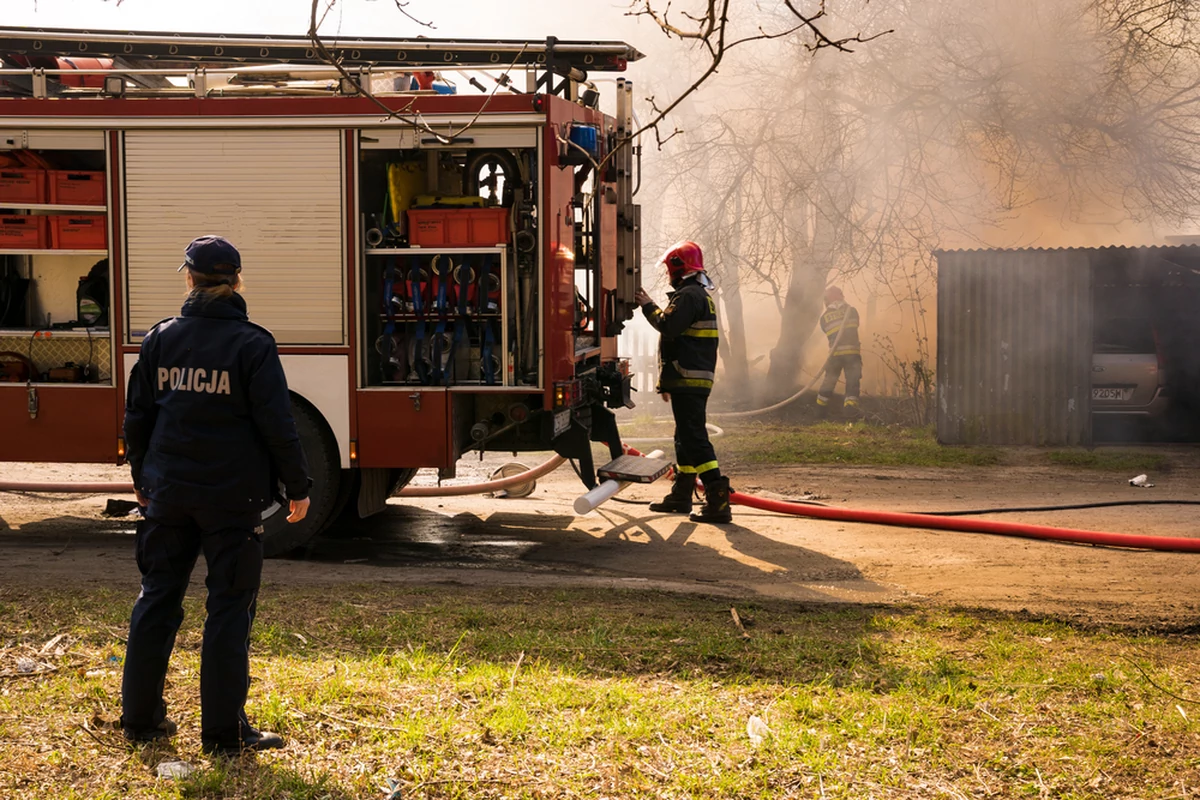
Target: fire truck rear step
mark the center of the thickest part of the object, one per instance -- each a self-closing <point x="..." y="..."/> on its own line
<point x="634" y="469"/>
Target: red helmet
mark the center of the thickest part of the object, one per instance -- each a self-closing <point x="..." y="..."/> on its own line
<point x="682" y="259"/>
<point x="834" y="295"/>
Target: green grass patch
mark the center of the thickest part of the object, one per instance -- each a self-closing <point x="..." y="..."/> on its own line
<point x="1110" y="460"/>
<point x="475" y="693"/>
<point x="848" y="443"/>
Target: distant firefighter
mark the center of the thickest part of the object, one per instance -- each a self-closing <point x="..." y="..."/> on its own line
<point x="840" y="325"/>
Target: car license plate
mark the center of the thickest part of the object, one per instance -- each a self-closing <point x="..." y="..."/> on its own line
<point x="562" y="421"/>
<point x="1111" y="394"/>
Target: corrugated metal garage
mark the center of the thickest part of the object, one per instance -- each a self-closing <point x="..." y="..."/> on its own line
<point x="1015" y="336"/>
<point x="1014" y="347"/>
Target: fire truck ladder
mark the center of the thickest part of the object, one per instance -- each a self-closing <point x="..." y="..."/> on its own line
<point x="570" y="60"/>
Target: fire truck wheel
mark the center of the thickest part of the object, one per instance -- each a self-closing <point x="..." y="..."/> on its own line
<point x="344" y="522"/>
<point x="320" y="448"/>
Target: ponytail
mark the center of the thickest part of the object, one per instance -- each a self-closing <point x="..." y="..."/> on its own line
<point x="206" y="288"/>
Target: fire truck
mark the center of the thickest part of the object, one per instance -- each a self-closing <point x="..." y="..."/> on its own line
<point x="440" y="234"/>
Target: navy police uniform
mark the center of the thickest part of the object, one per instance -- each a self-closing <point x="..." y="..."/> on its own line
<point x="209" y="435"/>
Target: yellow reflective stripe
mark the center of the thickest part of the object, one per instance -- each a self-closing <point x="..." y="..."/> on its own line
<point x="705" y="323"/>
<point x="706" y="466"/>
<point x="693" y="373"/>
<point x="822" y="401"/>
<point x="701" y="334"/>
<point x="694" y="382"/>
<point x="685" y="470"/>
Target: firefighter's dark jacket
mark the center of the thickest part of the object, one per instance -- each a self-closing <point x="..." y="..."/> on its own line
<point x="841" y="320"/>
<point x="208" y="421"/>
<point x="687" y="351"/>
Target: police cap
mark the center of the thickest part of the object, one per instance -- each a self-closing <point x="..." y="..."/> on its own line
<point x="212" y="255"/>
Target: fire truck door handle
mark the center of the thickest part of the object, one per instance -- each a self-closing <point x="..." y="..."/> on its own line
<point x="416" y="400"/>
<point x="33" y="402"/>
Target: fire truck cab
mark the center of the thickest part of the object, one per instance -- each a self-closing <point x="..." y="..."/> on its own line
<point x="445" y="259"/>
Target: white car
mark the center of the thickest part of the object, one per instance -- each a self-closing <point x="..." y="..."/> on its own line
<point x="1128" y="369"/>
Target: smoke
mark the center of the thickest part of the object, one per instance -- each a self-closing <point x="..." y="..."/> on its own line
<point x="977" y="123"/>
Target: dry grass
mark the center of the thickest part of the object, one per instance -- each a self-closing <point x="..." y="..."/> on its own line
<point x="450" y="692"/>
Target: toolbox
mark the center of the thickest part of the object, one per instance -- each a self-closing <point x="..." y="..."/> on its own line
<point x="87" y="232"/>
<point x="22" y="232"/>
<point x="76" y="187"/>
<point x="457" y="227"/>
<point x="21" y="186"/>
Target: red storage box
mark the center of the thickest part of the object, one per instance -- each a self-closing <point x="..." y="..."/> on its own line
<point x="22" y="233"/>
<point x="76" y="188"/>
<point x="87" y="232"/>
<point x="22" y="186"/>
<point x="457" y="227"/>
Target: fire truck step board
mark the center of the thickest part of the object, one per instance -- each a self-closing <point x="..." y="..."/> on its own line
<point x="634" y="469"/>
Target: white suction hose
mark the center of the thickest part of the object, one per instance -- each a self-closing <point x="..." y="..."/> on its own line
<point x="588" y="502"/>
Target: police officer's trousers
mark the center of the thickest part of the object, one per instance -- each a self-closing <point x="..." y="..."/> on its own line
<point x="852" y="365"/>
<point x="168" y="543"/>
<point x="694" y="454"/>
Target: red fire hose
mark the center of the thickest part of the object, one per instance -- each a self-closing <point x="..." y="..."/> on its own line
<point x="482" y="488"/>
<point x="896" y="518"/>
<point x="115" y="487"/>
<point x="905" y="520"/>
<point x="108" y="487"/>
<point x="1170" y="543"/>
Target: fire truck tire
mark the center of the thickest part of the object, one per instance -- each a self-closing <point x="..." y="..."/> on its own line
<point x="401" y="478"/>
<point x="320" y="448"/>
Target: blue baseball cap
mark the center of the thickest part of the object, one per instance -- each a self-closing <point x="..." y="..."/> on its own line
<point x="211" y="255"/>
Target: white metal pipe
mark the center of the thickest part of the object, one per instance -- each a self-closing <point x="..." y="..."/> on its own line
<point x="588" y="502"/>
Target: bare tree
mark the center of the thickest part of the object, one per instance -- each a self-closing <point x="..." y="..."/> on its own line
<point x="971" y="114"/>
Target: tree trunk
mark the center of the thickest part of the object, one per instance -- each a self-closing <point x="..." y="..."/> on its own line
<point x="812" y="260"/>
<point x="731" y="346"/>
<point x="801" y="311"/>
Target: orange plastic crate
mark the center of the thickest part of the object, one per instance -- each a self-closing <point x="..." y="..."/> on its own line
<point x="22" y="233"/>
<point x="76" y="188"/>
<point x="20" y="186"/>
<point x="79" y="232"/>
<point x="457" y="227"/>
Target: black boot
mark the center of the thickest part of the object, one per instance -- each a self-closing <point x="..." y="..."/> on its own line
<point x="679" y="501"/>
<point x="716" y="503"/>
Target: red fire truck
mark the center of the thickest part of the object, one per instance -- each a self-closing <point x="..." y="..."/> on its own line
<point x="445" y="262"/>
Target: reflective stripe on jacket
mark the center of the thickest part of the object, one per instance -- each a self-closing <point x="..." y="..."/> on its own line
<point x="687" y="351"/>
<point x="836" y="318"/>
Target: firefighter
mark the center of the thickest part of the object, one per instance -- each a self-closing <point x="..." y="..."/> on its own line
<point x="840" y="325"/>
<point x="687" y="358"/>
<point x="209" y="435"/>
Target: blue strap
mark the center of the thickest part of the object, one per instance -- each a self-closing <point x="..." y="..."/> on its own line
<point x="488" y="339"/>
<point x="460" y="334"/>
<point x="464" y="285"/>
<point x="443" y="282"/>
<point x="414" y="282"/>
<point x="389" y="328"/>
<point x="485" y="353"/>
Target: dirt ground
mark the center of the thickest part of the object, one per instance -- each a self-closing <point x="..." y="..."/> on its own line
<point x="538" y="541"/>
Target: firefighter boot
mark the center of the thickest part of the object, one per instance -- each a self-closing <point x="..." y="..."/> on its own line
<point x="716" y="503"/>
<point x="679" y="501"/>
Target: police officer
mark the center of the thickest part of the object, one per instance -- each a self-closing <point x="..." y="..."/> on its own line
<point x="840" y="325"/>
<point x="687" y="359"/>
<point x="208" y="434"/>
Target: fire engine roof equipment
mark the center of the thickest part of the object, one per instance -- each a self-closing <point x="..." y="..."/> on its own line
<point x="604" y="56"/>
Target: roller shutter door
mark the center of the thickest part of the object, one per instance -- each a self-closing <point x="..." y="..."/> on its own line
<point x="276" y="194"/>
